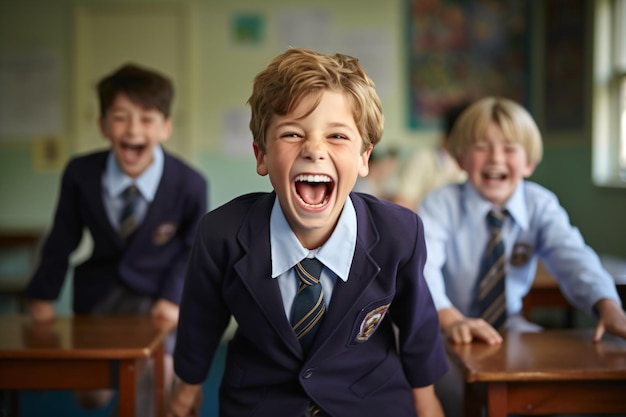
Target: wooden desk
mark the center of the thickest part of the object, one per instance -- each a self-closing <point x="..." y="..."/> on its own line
<point x="82" y="352"/>
<point x="552" y="372"/>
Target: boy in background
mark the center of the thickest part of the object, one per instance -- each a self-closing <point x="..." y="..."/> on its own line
<point x="315" y="119"/>
<point x="498" y="144"/>
<point x="141" y="206"/>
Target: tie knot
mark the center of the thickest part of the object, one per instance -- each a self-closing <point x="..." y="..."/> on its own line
<point x="130" y="192"/>
<point x="495" y="219"/>
<point x="309" y="270"/>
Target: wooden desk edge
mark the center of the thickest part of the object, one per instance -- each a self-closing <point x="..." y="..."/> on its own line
<point x="471" y="375"/>
<point x="164" y="328"/>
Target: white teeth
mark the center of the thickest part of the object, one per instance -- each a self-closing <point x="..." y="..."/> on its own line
<point x="494" y="175"/>
<point x="313" y="178"/>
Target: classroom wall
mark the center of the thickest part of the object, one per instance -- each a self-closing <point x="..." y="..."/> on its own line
<point x="219" y="83"/>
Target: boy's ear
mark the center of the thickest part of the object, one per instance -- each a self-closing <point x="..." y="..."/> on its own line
<point x="364" y="168"/>
<point x="103" y="127"/>
<point x="530" y="168"/>
<point x="167" y="129"/>
<point x="261" y="166"/>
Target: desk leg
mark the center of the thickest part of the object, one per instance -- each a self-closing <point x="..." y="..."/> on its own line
<point x="159" y="383"/>
<point x="10" y="403"/>
<point x="127" y="387"/>
<point x="496" y="399"/>
<point x="472" y="402"/>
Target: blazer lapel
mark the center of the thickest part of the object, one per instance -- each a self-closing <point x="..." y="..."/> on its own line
<point x="255" y="270"/>
<point x="363" y="270"/>
<point x="166" y="190"/>
<point x="93" y="188"/>
<point x="345" y="294"/>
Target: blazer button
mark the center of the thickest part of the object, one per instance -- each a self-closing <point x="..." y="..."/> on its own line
<point x="307" y="374"/>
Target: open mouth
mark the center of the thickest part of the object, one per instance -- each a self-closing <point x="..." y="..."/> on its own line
<point x="494" y="176"/>
<point x="131" y="152"/>
<point x="132" y="148"/>
<point x="314" y="190"/>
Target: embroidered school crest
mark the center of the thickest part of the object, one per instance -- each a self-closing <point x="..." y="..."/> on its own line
<point x="520" y="254"/>
<point x="370" y="322"/>
<point x="163" y="233"/>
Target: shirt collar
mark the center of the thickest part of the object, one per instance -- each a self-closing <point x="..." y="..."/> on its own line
<point x="115" y="181"/>
<point x="336" y="253"/>
<point x="516" y="205"/>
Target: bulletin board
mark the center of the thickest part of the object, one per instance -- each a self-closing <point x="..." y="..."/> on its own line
<point x="459" y="49"/>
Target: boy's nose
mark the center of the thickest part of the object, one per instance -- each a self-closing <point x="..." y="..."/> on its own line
<point x="314" y="148"/>
<point x="496" y="153"/>
<point x="134" y="125"/>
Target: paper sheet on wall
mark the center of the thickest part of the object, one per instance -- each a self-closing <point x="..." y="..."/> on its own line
<point x="314" y="29"/>
<point x="237" y="139"/>
<point x="375" y="50"/>
<point x="305" y="28"/>
<point x="30" y="98"/>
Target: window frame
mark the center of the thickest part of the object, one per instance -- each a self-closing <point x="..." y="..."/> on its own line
<point x="609" y="94"/>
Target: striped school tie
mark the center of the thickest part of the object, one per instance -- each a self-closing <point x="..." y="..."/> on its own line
<point x="128" y="220"/>
<point x="491" y="289"/>
<point x="308" y="305"/>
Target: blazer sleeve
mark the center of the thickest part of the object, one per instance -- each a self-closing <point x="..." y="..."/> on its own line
<point x="420" y="343"/>
<point x="63" y="238"/>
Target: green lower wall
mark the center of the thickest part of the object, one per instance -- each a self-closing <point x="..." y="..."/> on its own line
<point x="599" y="212"/>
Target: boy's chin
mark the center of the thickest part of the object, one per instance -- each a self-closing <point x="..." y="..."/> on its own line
<point x="497" y="198"/>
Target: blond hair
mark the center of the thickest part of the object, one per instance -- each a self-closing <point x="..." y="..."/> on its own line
<point x="299" y="73"/>
<point x="516" y="123"/>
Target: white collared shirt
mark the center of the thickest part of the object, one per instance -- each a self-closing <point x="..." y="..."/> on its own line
<point x="537" y="227"/>
<point x="336" y="253"/>
<point x="115" y="181"/>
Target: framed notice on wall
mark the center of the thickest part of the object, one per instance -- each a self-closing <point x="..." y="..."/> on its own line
<point x="460" y="49"/>
<point x="30" y="95"/>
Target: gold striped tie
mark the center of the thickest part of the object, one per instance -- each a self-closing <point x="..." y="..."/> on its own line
<point x="128" y="220"/>
<point x="491" y="286"/>
<point x="308" y="305"/>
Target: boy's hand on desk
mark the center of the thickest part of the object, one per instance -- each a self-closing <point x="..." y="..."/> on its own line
<point x="42" y="311"/>
<point x="461" y="329"/>
<point x="185" y="401"/>
<point x="165" y="309"/>
<point x="612" y="319"/>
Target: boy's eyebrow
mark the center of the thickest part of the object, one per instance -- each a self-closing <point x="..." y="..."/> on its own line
<point x="295" y="122"/>
<point x="286" y="123"/>
<point x="339" y="124"/>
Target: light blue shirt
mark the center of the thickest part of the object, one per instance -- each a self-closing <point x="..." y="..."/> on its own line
<point x="115" y="181"/>
<point x="456" y="234"/>
<point x="336" y="254"/>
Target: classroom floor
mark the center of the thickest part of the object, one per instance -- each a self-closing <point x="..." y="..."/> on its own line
<point x="61" y="403"/>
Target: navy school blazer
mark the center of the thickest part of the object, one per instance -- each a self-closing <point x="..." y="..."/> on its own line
<point x="154" y="259"/>
<point x="354" y="366"/>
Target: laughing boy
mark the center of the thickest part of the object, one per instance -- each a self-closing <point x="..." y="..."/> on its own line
<point x="315" y="119"/>
<point x="141" y="207"/>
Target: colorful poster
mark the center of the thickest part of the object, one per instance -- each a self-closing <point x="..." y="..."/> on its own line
<point x="460" y="49"/>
